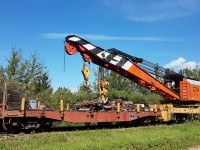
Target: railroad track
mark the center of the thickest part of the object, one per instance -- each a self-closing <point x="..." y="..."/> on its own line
<point x="74" y="128"/>
<point x="63" y="129"/>
<point x="5" y="134"/>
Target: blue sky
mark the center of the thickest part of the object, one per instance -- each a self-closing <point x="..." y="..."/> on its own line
<point x="161" y="31"/>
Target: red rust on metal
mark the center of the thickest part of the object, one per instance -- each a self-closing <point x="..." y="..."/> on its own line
<point x="149" y="114"/>
<point x="82" y="117"/>
<point x="34" y="113"/>
<point x="103" y="116"/>
<point x="55" y="115"/>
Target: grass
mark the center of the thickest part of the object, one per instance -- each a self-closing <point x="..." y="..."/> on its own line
<point x="152" y="137"/>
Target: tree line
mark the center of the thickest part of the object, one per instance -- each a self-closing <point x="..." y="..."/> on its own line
<point x="31" y="76"/>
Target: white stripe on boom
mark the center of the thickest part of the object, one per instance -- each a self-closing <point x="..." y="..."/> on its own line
<point x="127" y="65"/>
<point x="103" y="54"/>
<point x="115" y="60"/>
<point x="89" y="46"/>
<point x="75" y="39"/>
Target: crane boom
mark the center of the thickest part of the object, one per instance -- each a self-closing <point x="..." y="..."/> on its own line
<point x="119" y="62"/>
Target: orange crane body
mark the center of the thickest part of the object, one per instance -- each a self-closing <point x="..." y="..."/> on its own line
<point x="128" y="67"/>
<point x="190" y="90"/>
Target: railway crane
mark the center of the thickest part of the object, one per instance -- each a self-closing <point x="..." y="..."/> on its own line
<point x="181" y="94"/>
<point x="136" y="70"/>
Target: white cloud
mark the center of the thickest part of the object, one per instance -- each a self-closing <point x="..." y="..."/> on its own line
<point x="181" y="63"/>
<point x="105" y="37"/>
<point x="175" y="63"/>
<point x="154" y="10"/>
<point x="53" y="35"/>
<point x="190" y="64"/>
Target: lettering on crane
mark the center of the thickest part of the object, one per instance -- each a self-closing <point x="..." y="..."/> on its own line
<point x="195" y="89"/>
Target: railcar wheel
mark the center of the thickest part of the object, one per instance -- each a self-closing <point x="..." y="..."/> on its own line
<point x="45" y="126"/>
<point x="10" y="126"/>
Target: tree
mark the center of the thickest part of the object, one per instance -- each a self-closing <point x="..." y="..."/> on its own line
<point x="192" y="73"/>
<point x="28" y="76"/>
<point x="64" y="94"/>
<point x="2" y="78"/>
<point x="11" y="74"/>
<point x="13" y="69"/>
<point x="84" y="93"/>
<point x="119" y="82"/>
<point x="37" y="76"/>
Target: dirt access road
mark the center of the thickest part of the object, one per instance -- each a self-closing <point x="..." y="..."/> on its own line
<point x="194" y="148"/>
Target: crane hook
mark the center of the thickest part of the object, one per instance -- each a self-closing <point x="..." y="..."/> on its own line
<point x="86" y="73"/>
